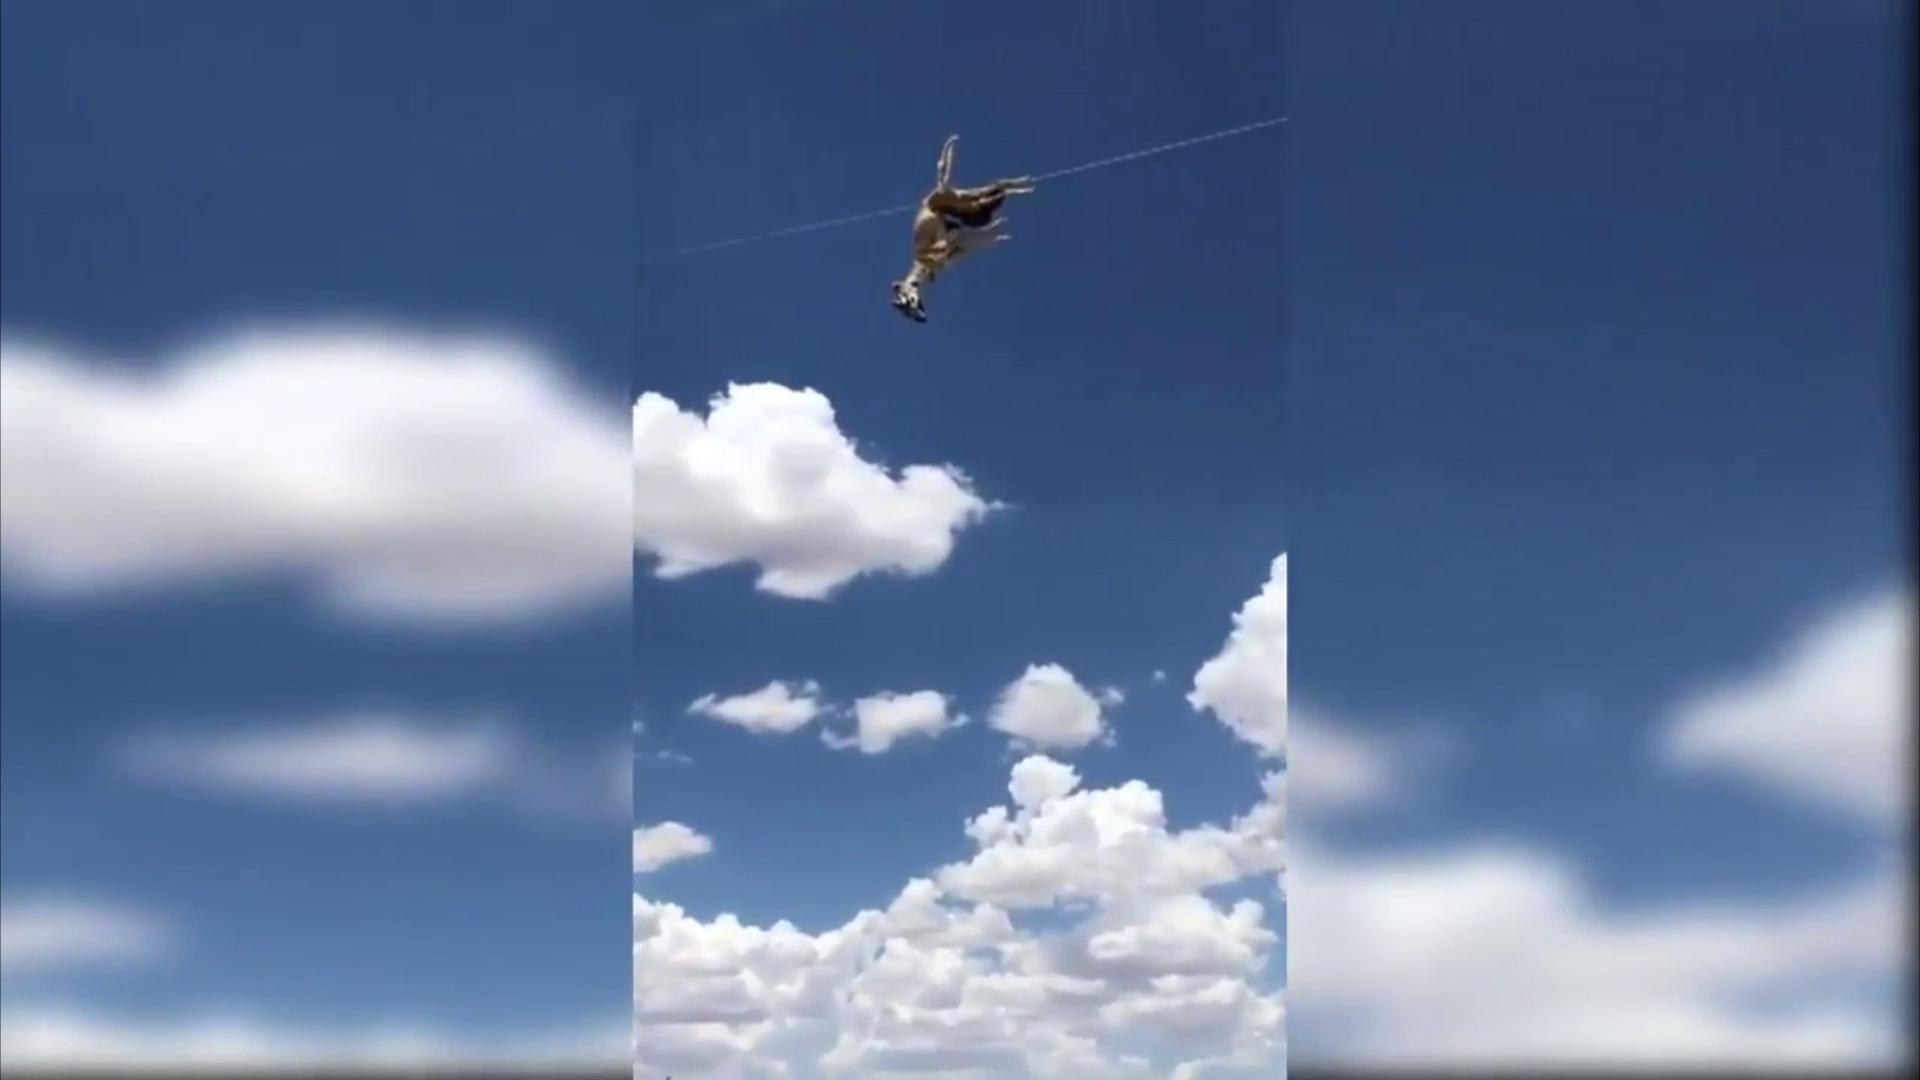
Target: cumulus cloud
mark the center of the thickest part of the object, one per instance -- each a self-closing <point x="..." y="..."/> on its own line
<point x="401" y="474"/>
<point x="655" y="846"/>
<point x="778" y="708"/>
<point x="768" y="478"/>
<point x="1138" y="975"/>
<point x="1828" y="720"/>
<point x="51" y="932"/>
<point x="1245" y="685"/>
<point x="64" y="1038"/>
<point x="1063" y="844"/>
<point x="883" y="719"/>
<point x="1047" y="708"/>
<point x="432" y="476"/>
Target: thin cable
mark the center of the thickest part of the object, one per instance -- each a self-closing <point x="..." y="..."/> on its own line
<point x="1169" y="147"/>
<point x="851" y="219"/>
<point x="907" y="208"/>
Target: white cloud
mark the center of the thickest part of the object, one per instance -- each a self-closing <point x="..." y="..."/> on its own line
<point x="768" y="478"/>
<point x="403" y="474"/>
<point x="655" y="846"/>
<point x="358" y="757"/>
<point x="1333" y="768"/>
<point x="778" y="708"/>
<point x="880" y="720"/>
<point x="47" y="933"/>
<point x="1046" y="707"/>
<point x="1063" y="844"/>
<point x="1141" y="976"/>
<point x="885" y="718"/>
<point x="389" y="759"/>
<point x="429" y="476"/>
<point x="1498" y="955"/>
<point x="1037" y="780"/>
<point x="1246" y="684"/>
<point x="1489" y="954"/>
<point x="53" y="1037"/>
<point x="1829" y="720"/>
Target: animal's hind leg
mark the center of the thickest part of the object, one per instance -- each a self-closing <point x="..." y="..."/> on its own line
<point x="976" y="238"/>
<point x="989" y="196"/>
<point x="982" y="237"/>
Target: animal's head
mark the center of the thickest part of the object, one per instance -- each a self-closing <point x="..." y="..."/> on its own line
<point x="906" y="300"/>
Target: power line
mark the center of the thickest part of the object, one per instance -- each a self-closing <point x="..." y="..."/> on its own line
<point x="1166" y="148"/>
<point x="907" y="208"/>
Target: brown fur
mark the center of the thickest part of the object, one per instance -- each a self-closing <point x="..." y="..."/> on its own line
<point x="936" y="244"/>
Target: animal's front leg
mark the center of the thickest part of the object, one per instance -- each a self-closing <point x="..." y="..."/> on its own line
<point x="945" y="175"/>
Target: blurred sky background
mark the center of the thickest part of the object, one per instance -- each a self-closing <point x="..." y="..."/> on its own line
<point x="1598" y="375"/>
<point x="317" y="329"/>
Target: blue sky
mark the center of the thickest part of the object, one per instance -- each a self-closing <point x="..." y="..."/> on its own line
<point x="1583" y="437"/>
<point x="1600" y="390"/>
<point x="1076" y="386"/>
<point x="1555" y="346"/>
<point x="1598" y="322"/>
<point x="1114" y="375"/>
